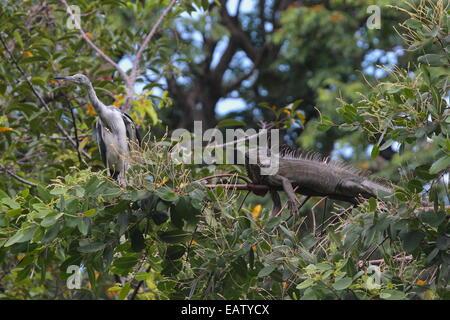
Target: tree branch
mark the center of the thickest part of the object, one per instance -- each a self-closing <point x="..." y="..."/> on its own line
<point x="209" y="47"/>
<point x="41" y="100"/>
<point x="239" y="35"/>
<point x="225" y="60"/>
<point x="138" y="286"/>
<point x="235" y="84"/>
<point x="93" y="46"/>
<point x="135" y="67"/>
<point x="15" y="176"/>
<point x="262" y="17"/>
<point x="74" y="121"/>
<point x="238" y="8"/>
<point x="247" y="187"/>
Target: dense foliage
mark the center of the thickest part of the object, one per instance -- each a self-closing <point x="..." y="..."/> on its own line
<point x="167" y="235"/>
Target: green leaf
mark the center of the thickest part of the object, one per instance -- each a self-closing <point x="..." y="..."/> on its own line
<point x="51" y="220"/>
<point x="124" y="292"/>
<point x="392" y="295"/>
<point x="441" y="164"/>
<point x="423" y="172"/>
<point x="28" y="234"/>
<point x="91" y="247"/>
<point x="90" y="212"/>
<point x="174" y="236"/>
<point x="305" y="284"/>
<point x="3" y="194"/>
<point x="83" y="225"/>
<point x="443" y="242"/>
<point x="51" y="233"/>
<point x="433" y="60"/>
<point x="375" y="151"/>
<point x="386" y="144"/>
<point x="184" y="212"/>
<point x="42" y="209"/>
<point x="272" y="222"/>
<point x="121" y="207"/>
<point x="323" y="266"/>
<point x="125" y="263"/>
<point x="14" y="239"/>
<point x="414" y="24"/>
<point x="143" y="276"/>
<point x="10" y="203"/>
<point x="266" y="271"/>
<point x="175" y="252"/>
<point x="39" y="81"/>
<point x="342" y="284"/>
<point x="167" y="194"/>
<point x="58" y="191"/>
<point x="25" y="192"/>
<point x="18" y="38"/>
<point x="92" y="185"/>
<point x="171" y="268"/>
<point x="21" y="236"/>
<point x="372" y="204"/>
<point x="412" y="239"/>
<point x="415" y="186"/>
<point x="123" y="220"/>
<point x="13" y="212"/>
<point x="43" y="194"/>
<point x="432" y="255"/>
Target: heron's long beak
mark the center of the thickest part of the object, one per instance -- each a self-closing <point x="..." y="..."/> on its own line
<point x="62" y="78"/>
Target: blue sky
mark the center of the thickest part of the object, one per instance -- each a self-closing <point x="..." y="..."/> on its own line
<point x="225" y="105"/>
<point x="236" y="104"/>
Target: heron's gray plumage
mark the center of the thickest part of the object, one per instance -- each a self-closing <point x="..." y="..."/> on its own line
<point x="132" y="132"/>
<point x="100" y="141"/>
<point x="116" y="131"/>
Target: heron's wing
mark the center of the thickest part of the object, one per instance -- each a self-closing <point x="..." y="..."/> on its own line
<point x="101" y="141"/>
<point x="132" y="132"/>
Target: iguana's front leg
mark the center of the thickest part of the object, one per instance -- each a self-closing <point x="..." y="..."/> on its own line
<point x="293" y="202"/>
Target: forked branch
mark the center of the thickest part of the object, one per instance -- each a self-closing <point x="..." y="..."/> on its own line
<point x="130" y="79"/>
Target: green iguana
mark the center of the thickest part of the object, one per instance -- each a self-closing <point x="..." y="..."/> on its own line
<point x="313" y="175"/>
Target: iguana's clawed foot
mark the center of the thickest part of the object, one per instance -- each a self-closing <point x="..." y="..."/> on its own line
<point x="293" y="206"/>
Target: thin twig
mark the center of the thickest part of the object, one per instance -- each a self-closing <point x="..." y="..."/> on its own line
<point x="41" y="100"/>
<point x="248" y="186"/>
<point x="408" y="258"/>
<point x="426" y="209"/>
<point x="93" y="46"/>
<point x="134" y="70"/>
<point x="130" y="80"/>
<point x="80" y="136"/>
<point x="243" y="200"/>
<point x="224" y="175"/>
<point x="134" y="294"/>
<point x="375" y="248"/>
<point x="188" y="250"/>
<point x="75" y="129"/>
<point x="18" y="178"/>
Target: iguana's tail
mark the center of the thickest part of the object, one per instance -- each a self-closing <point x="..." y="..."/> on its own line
<point x="380" y="189"/>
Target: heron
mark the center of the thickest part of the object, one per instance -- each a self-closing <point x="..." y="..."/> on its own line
<point x="117" y="134"/>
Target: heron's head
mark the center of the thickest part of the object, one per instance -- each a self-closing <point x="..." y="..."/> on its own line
<point x="78" y="78"/>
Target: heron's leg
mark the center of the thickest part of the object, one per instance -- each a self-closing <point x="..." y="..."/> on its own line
<point x="122" y="179"/>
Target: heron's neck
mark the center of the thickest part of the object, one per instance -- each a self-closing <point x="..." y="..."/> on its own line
<point x="96" y="103"/>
